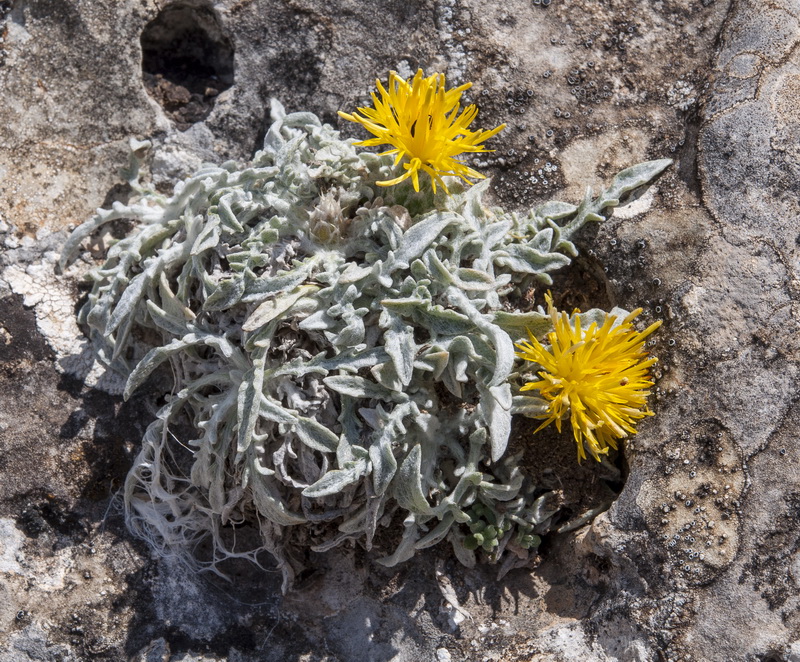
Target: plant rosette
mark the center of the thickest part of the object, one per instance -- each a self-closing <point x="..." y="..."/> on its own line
<point x="341" y="352"/>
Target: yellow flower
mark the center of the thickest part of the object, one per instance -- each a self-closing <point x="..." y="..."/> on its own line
<point x="599" y="376"/>
<point x="420" y="121"/>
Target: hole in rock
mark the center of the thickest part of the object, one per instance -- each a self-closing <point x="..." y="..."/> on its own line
<point x="548" y="457"/>
<point x="187" y="60"/>
<point x="5" y="8"/>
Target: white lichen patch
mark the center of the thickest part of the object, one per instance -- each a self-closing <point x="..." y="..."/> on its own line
<point x="10" y="542"/>
<point x="15" y="564"/>
<point x="638" y="206"/>
<point x="682" y="95"/>
<point x="53" y="301"/>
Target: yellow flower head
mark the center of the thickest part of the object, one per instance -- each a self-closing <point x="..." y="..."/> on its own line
<point x="421" y="122"/>
<point x="599" y="376"/>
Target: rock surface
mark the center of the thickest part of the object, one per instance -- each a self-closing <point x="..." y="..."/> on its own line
<point x="696" y="560"/>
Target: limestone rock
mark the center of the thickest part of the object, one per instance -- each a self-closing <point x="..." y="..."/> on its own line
<point x="697" y="558"/>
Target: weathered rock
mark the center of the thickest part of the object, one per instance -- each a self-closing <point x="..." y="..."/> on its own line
<point x="696" y="560"/>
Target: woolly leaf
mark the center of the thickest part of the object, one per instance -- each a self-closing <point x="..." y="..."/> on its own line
<point x="270" y="505"/>
<point x="632" y="178"/>
<point x="249" y="400"/>
<point x="153" y="359"/>
<point x="528" y="405"/>
<point x="437" y="534"/>
<point x="384" y="463"/>
<point x="273" y="411"/>
<point x="357" y="387"/>
<point x="420" y="235"/>
<point x="495" y="407"/>
<point x="227" y="293"/>
<point x="545" y="507"/>
<point x="405" y="550"/>
<point x="335" y="481"/>
<point x="401" y="347"/>
<point x="315" y="435"/>
<point x="517" y="325"/>
<point x="408" y="488"/>
<point x="273" y="308"/>
<point x="555" y="210"/>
